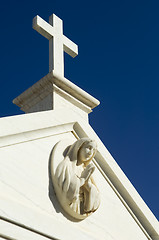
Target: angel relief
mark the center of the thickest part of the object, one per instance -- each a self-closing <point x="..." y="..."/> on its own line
<point x="72" y="177"/>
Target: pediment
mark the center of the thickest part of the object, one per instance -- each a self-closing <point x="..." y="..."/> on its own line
<point x="27" y="143"/>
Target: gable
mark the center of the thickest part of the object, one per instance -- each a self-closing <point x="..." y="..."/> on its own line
<point x="25" y="151"/>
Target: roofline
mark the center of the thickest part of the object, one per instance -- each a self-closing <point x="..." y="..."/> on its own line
<point x="29" y="122"/>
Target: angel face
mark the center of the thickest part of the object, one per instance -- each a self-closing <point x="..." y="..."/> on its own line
<point x="87" y="151"/>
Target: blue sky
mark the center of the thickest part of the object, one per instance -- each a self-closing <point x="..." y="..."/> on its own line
<point x="118" y="63"/>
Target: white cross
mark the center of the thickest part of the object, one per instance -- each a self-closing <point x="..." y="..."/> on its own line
<point x="58" y="43"/>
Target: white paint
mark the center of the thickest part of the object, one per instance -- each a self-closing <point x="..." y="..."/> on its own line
<point x="8" y="230"/>
<point x="26" y="143"/>
<point x="25" y="197"/>
<point x="58" y="43"/>
<point x="54" y="92"/>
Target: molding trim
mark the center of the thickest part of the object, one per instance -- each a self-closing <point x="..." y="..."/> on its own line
<point x="107" y="165"/>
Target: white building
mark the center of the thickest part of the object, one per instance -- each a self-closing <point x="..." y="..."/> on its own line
<point x="57" y="111"/>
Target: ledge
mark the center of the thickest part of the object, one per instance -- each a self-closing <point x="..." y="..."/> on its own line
<point x="38" y="91"/>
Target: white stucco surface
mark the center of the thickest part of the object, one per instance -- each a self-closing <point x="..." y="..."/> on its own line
<point x="27" y="197"/>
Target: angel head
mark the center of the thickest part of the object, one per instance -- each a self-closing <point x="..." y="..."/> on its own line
<point x="82" y="151"/>
<point x="86" y="151"/>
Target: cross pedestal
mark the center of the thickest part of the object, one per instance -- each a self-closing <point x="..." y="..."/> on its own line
<point x="54" y="91"/>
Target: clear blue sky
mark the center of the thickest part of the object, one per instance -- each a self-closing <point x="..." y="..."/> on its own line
<point x="118" y="63"/>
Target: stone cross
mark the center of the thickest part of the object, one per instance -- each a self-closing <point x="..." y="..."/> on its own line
<point x="58" y="43"/>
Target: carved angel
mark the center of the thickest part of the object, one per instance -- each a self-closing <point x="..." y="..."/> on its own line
<point x="74" y="177"/>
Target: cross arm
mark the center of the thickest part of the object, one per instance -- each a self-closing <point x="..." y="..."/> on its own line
<point x="43" y="27"/>
<point x="70" y="47"/>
